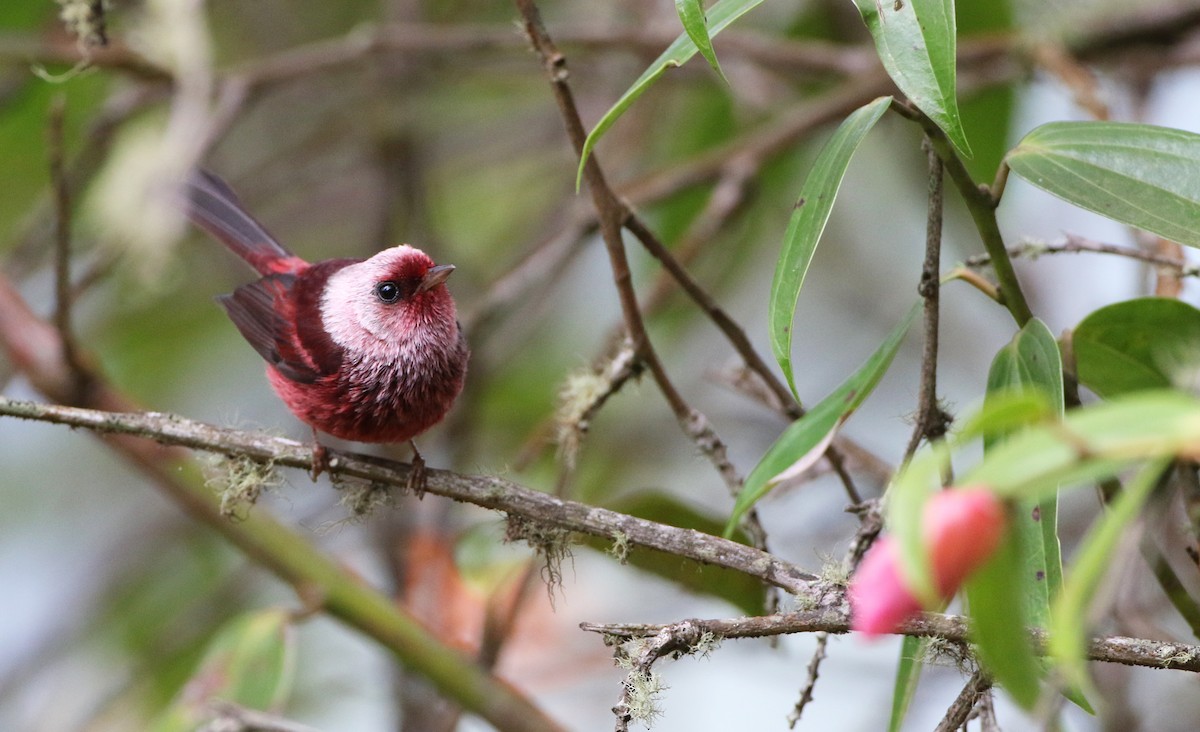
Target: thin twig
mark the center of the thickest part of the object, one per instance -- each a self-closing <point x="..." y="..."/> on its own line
<point x="732" y="331"/>
<point x="981" y="204"/>
<point x="978" y="686"/>
<point x="806" y="692"/>
<point x="736" y="336"/>
<point x="229" y="717"/>
<point x="832" y="617"/>
<point x="1075" y="244"/>
<point x="932" y="422"/>
<point x="1081" y="81"/>
<point x="683" y="638"/>
<point x="613" y="215"/>
<point x="870" y="523"/>
<point x="62" y="249"/>
<point x="36" y="238"/>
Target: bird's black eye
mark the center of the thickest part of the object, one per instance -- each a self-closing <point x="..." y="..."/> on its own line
<point x="387" y="291"/>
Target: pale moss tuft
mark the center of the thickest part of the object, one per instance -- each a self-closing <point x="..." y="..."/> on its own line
<point x="643" y="694"/>
<point x="620" y="546"/>
<point x="362" y="499"/>
<point x="578" y="395"/>
<point x="708" y="643"/>
<point x="835" y="572"/>
<point x="943" y="652"/>
<point x="552" y="543"/>
<point x="85" y="20"/>
<point x="240" y="480"/>
<point x="627" y="652"/>
<point x="806" y="603"/>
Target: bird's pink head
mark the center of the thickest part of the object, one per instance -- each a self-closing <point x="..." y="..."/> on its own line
<point x="392" y="301"/>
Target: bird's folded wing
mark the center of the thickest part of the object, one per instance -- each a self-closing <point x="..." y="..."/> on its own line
<point x="256" y="309"/>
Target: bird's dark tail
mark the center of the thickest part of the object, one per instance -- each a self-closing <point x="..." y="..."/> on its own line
<point x="213" y="206"/>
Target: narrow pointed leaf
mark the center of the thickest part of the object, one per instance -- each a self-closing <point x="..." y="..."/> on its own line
<point x="1141" y="175"/>
<point x="908" y="675"/>
<point x="1031" y="363"/>
<point x="1004" y="412"/>
<point x="812" y="432"/>
<point x="677" y="54"/>
<point x="1016" y="586"/>
<point x="1147" y="343"/>
<point x="999" y="620"/>
<point x="1068" y="623"/>
<point x="916" y="42"/>
<point x="808" y="222"/>
<point x="691" y="15"/>
<point x="1093" y="442"/>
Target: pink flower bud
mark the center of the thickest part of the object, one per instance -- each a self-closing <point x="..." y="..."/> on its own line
<point x="961" y="529"/>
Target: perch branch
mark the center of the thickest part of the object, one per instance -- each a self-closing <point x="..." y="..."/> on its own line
<point x="486" y="491"/>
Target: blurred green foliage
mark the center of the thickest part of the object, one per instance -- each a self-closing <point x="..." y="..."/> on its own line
<point x="461" y="151"/>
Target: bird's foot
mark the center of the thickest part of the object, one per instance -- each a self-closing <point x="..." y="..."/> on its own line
<point x="320" y="460"/>
<point x="416" y="475"/>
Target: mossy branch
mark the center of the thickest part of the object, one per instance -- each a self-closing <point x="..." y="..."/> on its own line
<point x="482" y="490"/>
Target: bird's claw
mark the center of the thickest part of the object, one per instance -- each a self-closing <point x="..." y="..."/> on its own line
<point x="416" y="476"/>
<point x="320" y="461"/>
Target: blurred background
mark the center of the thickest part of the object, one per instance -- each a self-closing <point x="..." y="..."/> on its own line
<point x="348" y="127"/>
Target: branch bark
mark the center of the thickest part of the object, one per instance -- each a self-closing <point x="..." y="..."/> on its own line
<point x="482" y="490"/>
<point x="836" y="619"/>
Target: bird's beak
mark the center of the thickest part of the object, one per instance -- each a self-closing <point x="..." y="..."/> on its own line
<point x="434" y="277"/>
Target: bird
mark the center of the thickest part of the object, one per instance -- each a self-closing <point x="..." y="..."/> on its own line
<point x="366" y="350"/>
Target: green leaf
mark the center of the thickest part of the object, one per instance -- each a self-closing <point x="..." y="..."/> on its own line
<point x="1031" y="363"/>
<point x="678" y="53"/>
<point x="740" y="590"/>
<point x="915" y="40"/>
<point x="1004" y="412"/>
<point x="808" y="222"/>
<point x="691" y="15"/>
<point x="1091" y="443"/>
<point x="1068" y="624"/>
<point x="1148" y="343"/>
<point x="999" y="621"/>
<point x="1016" y="585"/>
<point x="908" y="675"/>
<point x="1141" y="175"/>
<point x="249" y="663"/>
<point x="805" y="440"/>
